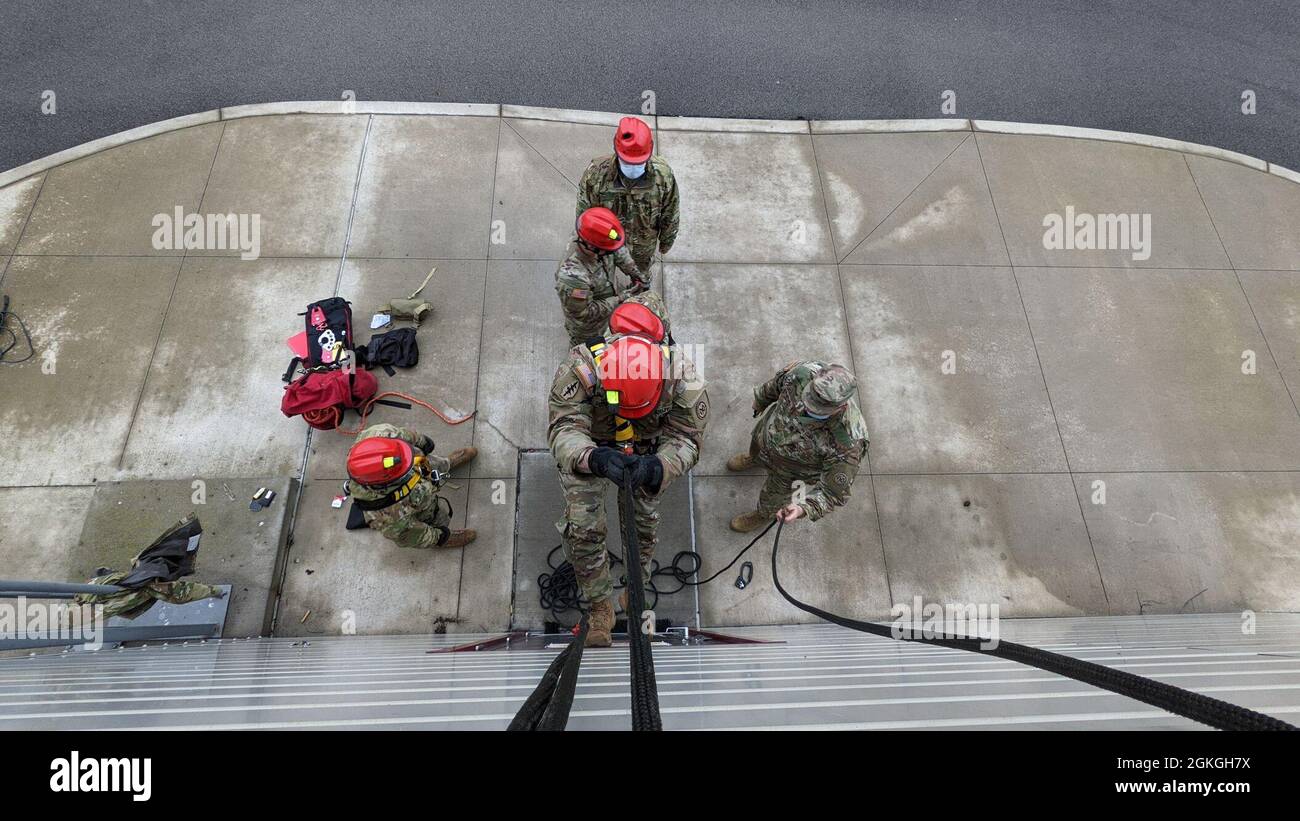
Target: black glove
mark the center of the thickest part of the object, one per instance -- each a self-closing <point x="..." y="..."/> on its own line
<point x="610" y="463"/>
<point x="648" y="472"/>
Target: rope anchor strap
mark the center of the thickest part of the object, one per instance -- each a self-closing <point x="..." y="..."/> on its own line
<point x="1221" y="715"/>
<point x="645" y="693"/>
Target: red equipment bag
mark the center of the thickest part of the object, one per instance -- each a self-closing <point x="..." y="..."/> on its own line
<point x="321" y="397"/>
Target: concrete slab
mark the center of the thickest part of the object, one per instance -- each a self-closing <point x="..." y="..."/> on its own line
<point x="798" y="312"/>
<point x="1020" y="543"/>
<point x="447" y="373"/>
<point x="426" y="189"/>
<point x="105" y="203"/>
<point x="94" y="322"/>
<point x="568" y="148"/>
<point x="16" y="203"/>
<point x="239" y="546"/>
<point x="991" y="414"/>
<point x="523" y="343"/>
<point x="867" y="176"/>
<point x="1196" y="542"/>
<point x="1255" y="214"/>
<point x="336" y="577"/>
<point x="746" y="197"/>
<point x="39" y="527"/>
<point x="836" y="563"/>
<point x="297" y="172"/>
<point x="541" y="505"/>
<point x="1145" y="371"/>
<point x="948" y="219"/>
<point x="1275" y="300"/>
<point x="1033" y="177"/>
<point x="488" y="563"/>
<point x="220" y="414"/>
<point x="533" y="201"/>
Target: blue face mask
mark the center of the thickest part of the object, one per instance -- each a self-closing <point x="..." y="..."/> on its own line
<point x="632" y="172"/>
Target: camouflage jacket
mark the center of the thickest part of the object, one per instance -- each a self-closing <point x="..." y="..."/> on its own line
<point x="647" y="207"/>
<point x="792" y="443"/>
<point x="402" y="522"/>
<point x="588" y="293"/>
<point x="135" y="602"/>
<point x="580" y="419"/>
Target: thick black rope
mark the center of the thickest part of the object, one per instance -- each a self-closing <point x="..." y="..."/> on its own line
<point x="645" y="694"/>
<point x="1218" y="714"/>
<point x="547" y="707"/>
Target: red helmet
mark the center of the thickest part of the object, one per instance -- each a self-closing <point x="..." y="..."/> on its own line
<point x="635" y="318"/>
<point x="600" y="227"/>
<point x="632" y="367"/>
<point x="633" y="142"/>
<point x="379" y="460"/>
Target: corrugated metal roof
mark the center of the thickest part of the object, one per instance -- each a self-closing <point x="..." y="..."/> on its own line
<point x="821" y="677"/>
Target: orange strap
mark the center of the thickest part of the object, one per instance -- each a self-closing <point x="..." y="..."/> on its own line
<point x="365" y="411"/>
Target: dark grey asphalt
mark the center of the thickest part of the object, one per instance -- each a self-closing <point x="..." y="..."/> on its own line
<point x="1175" y="69"/>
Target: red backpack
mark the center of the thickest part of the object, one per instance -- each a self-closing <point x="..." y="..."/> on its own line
<point x="321" y="397"/>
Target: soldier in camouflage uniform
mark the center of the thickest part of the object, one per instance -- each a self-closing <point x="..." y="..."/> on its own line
<point x="639" y="187"/>
<point x="136" y="601"/>
<point x="401" y="499"/>
<point x="585" y="280"/>
<point x="662" y="413"/>
<point x="809" y="431"/>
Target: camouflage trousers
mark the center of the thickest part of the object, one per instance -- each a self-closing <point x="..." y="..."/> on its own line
<point x="583" y="531"/>
<point x="420" y="521"/>
<point x="131" y="603"/>
<point x="643" y="255"/>
<point x="780" y="488"/>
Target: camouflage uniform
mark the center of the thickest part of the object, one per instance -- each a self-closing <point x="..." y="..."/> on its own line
<point x="422" y="519"/>
<point x="588" y="293"/>
<point x="580" y="420"/>
<point x="657" y="306"/>
<point x="136" y="601"/>
<point x="824" y="455"/>
<point x="647" y="207"/>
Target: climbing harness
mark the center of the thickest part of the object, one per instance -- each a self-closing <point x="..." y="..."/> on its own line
<point x="1218" y="714"/>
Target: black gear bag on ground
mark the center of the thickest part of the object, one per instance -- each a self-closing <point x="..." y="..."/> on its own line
<point x="397" y="348"/>
<point x="329" y="330"/>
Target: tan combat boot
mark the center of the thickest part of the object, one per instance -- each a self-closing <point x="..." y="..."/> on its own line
<point x="600" y="622"/>
<point x="741" y="461"/>
<point x="461" y="456"/>
<point x="460" y="538"/>
<point x="746" y="522"/>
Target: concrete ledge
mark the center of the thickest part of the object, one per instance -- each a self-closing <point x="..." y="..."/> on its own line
<point x="103" y="143"/>
<point x="566" y="115"/>
<point x="886" y="126"/>
<point x="743" y="126"/>
<point x="1036" y="129"/>
<point x="1284" y="173"/>
<point x="359" y="107"/>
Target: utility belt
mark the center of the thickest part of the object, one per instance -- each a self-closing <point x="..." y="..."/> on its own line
<point x="418" y="473"/>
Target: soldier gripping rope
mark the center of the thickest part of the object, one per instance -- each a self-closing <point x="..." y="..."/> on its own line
<point x="631" y="405"/>
<point x="810" y="436"/>
<point x="394" y="477"/>
<point x="638" y="186"/>
<point x="585" y="279"/>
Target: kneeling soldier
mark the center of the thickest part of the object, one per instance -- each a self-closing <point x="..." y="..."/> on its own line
<point x="630" y="406"/>
<point x="394" y="477"/>
<point x="809" y="431"/>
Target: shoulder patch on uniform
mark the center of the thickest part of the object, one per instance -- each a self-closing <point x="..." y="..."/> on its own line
<point x="702" y="408"/>
<point x="580" y="293"/>
<point x="570" y="391"/>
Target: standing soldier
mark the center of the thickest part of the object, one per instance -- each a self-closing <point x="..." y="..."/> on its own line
<point x="585" y="280"/>
<point x="810" y="436"/>
<point x="394" y="477"/>
<point x="638" y="186"/>
<point x="629" y="407"/>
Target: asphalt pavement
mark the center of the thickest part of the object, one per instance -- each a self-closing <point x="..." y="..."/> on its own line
<point x="1173" y="69"/>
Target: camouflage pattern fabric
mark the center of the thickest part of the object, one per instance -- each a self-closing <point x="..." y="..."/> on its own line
<point x="132" y="603"/>
<point x="580" y="420"/>
<point x="587" y="289"/>
<point x="657" y="306"/>
<point x="648" y="207"/>
<point x="422" y="519"/>
<point x="821" y="454"/>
